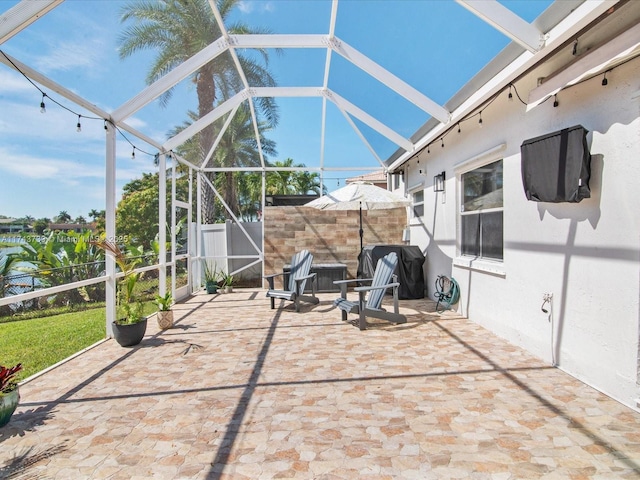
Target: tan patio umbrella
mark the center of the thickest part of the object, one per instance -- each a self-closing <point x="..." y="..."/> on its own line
<point x="359" y="196"/>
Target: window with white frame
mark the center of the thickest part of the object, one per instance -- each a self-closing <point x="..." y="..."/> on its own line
<point x="417" y="196"/>
<point x="481" y="212"/>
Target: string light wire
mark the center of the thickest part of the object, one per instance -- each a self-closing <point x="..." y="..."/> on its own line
<point x="78" y="125"/>
<point x="510" y="87"/>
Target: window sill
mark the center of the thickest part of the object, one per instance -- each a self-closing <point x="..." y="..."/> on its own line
<point x="480" y="265"/>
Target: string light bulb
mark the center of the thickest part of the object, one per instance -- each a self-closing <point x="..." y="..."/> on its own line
<point x="442" y="142"/>
<point x="459" y="127"/>
<point x="78" y="126"/>
<point x="510" y="94"/>
<point x="133" y="153"/>
<point x="605" y="82"/>
<point x="555" y="101"/>
<point x="428" y="149"/>
<point x="480" y="120"/>
<point x="42" y="106"/>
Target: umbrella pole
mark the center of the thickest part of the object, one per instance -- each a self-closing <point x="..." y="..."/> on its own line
<point x="359" y="273"/>
<point x="361" y="231"/>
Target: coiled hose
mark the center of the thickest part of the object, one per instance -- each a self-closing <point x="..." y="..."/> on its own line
<point x="447" y="293"/>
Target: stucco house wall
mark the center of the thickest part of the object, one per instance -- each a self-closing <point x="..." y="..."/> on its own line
<point x="587" y="254"/>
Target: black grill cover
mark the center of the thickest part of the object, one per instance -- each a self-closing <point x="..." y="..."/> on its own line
<point x="556" y="167"/>
<point x="409" y="269"/>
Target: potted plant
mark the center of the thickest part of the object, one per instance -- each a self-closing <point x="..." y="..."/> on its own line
<point x="9" y="395"/>
<point x="211" y="277"/>
<point x="131" y="324"/>
<point x="227" y="282"/>
<point x="165" y="314"/>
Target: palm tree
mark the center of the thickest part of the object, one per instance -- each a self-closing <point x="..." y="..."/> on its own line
<point x="237" y="148"/>
<point x="40" y="225"/>
<point x="249" y="195"/>
<point x="288" y="182"/>
<point x="95" y="214"/>
<point x="178" y="29"/>
<point x="307" y="182"/>
<point x="63" y="217"/>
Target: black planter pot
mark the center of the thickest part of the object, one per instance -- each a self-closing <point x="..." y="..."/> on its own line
<point x="130" y="334"/>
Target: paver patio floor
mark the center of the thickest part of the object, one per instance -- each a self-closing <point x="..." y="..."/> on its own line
<point x="237" y="390"/>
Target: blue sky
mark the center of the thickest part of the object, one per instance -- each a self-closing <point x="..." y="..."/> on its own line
<point x="436" y="46"/>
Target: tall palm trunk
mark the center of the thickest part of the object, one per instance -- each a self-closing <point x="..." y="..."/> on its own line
<point x="231" y="195"/>
<point x="206" y="90"/>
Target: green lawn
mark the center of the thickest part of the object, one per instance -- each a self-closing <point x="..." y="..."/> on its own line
<point x="39" y="343"/>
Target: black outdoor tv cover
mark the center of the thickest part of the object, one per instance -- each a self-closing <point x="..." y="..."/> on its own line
<point x="556" y="167"/>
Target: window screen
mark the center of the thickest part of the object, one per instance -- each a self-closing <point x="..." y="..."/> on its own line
<point x="418" y="203"/>
<point x="481" y="216"/>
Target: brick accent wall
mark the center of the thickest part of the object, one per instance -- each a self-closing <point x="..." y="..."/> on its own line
<point x="330" y="235"/>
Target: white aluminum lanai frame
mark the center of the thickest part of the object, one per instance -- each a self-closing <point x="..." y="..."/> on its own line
<point x="534" y="45"/>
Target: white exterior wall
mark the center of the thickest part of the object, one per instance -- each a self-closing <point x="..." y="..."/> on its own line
<point x="586" y="254"/>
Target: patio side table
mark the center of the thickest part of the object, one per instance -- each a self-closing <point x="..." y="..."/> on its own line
<point x="326" y="274"/>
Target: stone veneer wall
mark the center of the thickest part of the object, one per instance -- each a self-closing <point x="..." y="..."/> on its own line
<point x="330" y="235"/>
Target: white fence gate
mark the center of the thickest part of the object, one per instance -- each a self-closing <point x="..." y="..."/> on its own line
<point x="226" y="245"/>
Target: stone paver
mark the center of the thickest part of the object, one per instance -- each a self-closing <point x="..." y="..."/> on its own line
<point x="237" y="390"/>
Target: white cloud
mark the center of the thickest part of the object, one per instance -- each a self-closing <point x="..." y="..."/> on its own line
<point x="73" y="39"/>
<point x="55" y="169"/>
<point x="248" y="6"/>
<point x="36" y="145"/>
<point x="23" y="124"/>
<point x="74" y="175"/>
<point x="138" y="124"/>
<point x="14" y="83"/>
<point x="68" y="55"/>
<point x="245" y="7"/>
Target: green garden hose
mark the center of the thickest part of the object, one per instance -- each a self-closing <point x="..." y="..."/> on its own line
<point x="447" y="292"/>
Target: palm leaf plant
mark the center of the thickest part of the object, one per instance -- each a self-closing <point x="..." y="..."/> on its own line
<point x="129" y="306"/>
<point x="211" y="276"/>
<point x="57" y="259"/>
<point x="227" y="279"/>
<point x="164" y="302"/>
<point x="165" y="314"/>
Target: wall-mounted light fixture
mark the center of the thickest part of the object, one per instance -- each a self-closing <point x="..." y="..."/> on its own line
<point x="438" y="182"/>
<point x="422" y="170"/>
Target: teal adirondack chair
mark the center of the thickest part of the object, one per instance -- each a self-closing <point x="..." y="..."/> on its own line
<point x="298" y="277"/>
<point x="370" y="297"/>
